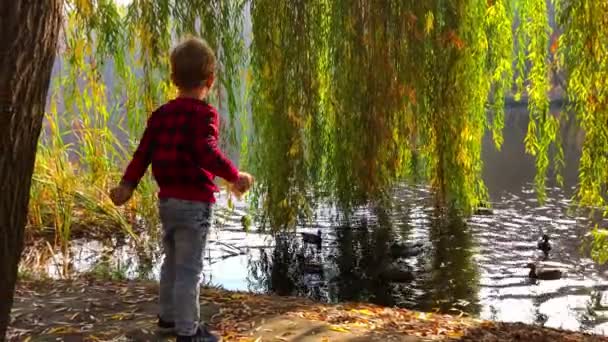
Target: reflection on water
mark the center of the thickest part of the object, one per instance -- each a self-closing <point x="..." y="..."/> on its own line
<point x="475" y="266"/>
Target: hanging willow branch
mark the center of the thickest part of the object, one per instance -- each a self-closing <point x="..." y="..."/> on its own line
<point x="583" y="55"/>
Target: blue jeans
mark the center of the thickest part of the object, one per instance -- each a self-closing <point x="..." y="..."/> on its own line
<point x="185" y="227"/>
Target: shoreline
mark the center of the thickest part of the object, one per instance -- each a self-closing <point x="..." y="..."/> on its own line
<point x="90" y="309"/>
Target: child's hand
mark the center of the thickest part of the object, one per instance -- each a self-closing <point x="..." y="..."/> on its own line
<point x="244" y="183"/>
<point x="121" y="194"/>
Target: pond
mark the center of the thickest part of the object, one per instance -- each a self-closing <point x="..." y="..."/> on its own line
<point x="475" y="266"/>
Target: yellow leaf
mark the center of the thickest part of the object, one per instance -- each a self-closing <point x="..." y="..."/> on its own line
<point x="62" y="330"/>
<point x="237" y="296"/>
<point x="455" y="334"/>
<point x="363" y="312"/>
<point x="118" y="316"/>
<point x="491" y="12"/>
<point x="338" y="329"/>
<point x="429" y="22"/>
<point x="85" y="7"/>
<point x="293" y="151"/>
<point x="424" y="316"/>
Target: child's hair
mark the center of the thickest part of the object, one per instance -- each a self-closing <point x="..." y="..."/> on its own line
<point x="192" y="63"/>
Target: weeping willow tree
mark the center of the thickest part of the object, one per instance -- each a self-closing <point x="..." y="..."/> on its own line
<point x="543" y="129"/>
<point x="453" y="79"/>
<point x="382" y="92"/>
<point x="351" y="97"/>
<point x="288" y="62"/>
<point x="405" y="91"/>
<point x="582" y="51"/>
<point x="369" y="107"/>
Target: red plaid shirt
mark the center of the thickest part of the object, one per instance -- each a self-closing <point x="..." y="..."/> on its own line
<point x="181" y="142"/>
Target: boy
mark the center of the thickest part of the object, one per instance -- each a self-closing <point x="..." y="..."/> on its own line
<point x="180" y="141"/>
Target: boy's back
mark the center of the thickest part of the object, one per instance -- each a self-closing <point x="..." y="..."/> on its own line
<point x="181" y="143"/>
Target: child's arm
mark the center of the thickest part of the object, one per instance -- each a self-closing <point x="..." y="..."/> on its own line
<point x="136" y="169"/>
<point x="141" y="158"/>
<point x="207" y="151"/>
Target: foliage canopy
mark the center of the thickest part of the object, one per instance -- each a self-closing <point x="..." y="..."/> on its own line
<point x="338" y="100"/>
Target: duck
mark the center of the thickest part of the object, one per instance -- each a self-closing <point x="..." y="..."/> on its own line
<point x="484" y="209"/>
<point x="544" y="244"/>
<point x="314" y="239"/>
<point x="543" y="273"/>
<point x="398" y="250"/>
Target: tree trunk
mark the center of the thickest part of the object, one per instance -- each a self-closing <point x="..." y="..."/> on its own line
<point x="28" y="39"/>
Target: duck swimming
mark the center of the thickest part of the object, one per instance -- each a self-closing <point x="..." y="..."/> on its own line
<point x="484" y="209"/>
<point x="543" y="273"/>
<point x="315" y="239"/>
<point x="544" y="244"/>
<point x="405" y="250"/>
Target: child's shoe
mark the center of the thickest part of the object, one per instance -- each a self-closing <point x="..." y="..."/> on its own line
<point x="202" y="335"/>
<point x="165" y="327"/>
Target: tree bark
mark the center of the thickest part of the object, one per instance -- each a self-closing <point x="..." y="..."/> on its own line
<point x="29" y="31"/>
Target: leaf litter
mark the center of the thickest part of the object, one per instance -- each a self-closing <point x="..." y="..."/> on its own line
<point x="96" y="310"/>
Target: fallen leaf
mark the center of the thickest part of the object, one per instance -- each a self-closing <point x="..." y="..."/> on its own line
<point x="363" y="312"/>
<point x="339" y="329"/>
<point x="62" y="330"/>
<point x="237" y="296"/>
<point x="455" y="334"/>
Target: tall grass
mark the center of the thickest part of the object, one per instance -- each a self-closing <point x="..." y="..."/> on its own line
<point x="101" y="96"/>
<point x="89" y="134"/>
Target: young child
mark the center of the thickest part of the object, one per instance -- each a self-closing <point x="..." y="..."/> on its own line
<point x="181" y="143"/>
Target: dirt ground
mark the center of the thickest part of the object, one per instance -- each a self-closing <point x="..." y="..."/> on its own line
<point x="95" y="310"/>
